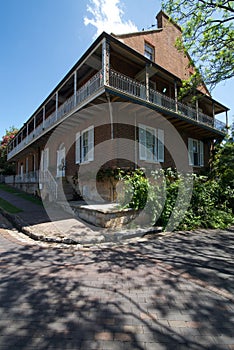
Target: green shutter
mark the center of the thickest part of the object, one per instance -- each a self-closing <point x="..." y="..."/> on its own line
<point x="142" y="142"/>
<point x="91" y="144"/>
<point x="190" y="151"/>
<point x="160" y="145"/>
<point x="201" y="153"/>
<point x="78" y="148"/>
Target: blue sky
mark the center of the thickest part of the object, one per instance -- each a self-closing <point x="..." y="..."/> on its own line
<point x="41" y="40"/>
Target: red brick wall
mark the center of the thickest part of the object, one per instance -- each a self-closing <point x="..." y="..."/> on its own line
<point x="166" y="54"/>
<point x="102" y="134"/>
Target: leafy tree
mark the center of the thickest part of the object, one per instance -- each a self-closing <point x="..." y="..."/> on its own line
<point x="6" y="168"/>
<point x="223" y="162"/>
<point x="208" y="35"/>
<point x="222" y="169"/>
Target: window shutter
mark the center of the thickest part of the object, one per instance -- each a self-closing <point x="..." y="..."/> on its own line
<point x="160" y="145"/>
<point x="190" y="151"/>
<point x="41" y="162"/>
<point x="91" y="144"/>
<point x="142" y="142"/>
<point x="82" y="143"/>
<point x="46" y="159"/>
<point x="26" y="167"/>
<point x="58" y="174"/>
<point x="155" y="150"/>
<point x="77" y="147"/>
<point x="201" y="153"/>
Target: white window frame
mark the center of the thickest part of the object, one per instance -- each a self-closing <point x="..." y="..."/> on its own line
<point x="80" y="155"/>
<point x="191" y="152"/>
<point x="149" y="51"/>
<point x="157" y="155"/>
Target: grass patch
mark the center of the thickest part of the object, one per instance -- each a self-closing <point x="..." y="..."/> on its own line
<point x="9" y="189"/>
<point x="20" y="194"/>
<point x="9" y="207"/>
<point x="29" y="198"/>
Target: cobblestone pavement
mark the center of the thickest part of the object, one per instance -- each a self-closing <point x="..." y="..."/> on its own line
<point x="173" y="292"/>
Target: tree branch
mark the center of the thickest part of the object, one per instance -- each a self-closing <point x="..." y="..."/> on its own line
<point x="215" y="5"/>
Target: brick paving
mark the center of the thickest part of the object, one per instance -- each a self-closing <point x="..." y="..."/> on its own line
<point x="50" y="223"/>
<point x="174" y="292"/>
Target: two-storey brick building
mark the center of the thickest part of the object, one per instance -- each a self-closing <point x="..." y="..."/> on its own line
<point x="141" y="74"/>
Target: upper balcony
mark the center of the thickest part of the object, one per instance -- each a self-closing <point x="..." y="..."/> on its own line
<point x="132" y="87"/>
<point x="93" y="76"/>
<point x="125" y="85"/>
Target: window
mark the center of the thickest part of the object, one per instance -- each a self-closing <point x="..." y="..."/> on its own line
<point x="196" y="152"/>
<point x="149" y="52"/>
<point x="85" y="145"/>
<point x="151" y="144"/>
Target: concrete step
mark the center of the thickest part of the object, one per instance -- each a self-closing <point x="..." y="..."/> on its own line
<point x="66" y="190"/>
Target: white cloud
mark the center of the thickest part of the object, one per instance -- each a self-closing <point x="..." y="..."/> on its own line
<point x="107" y="15"/>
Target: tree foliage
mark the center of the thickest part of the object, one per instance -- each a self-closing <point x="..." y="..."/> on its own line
<point x="6" y="168"/>
<point x="211" y="204"/>
<point x="222" y="169"/>
<point x="208" y="36"/>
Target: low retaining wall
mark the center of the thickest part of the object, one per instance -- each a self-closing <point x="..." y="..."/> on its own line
<point x="111" y="217"/>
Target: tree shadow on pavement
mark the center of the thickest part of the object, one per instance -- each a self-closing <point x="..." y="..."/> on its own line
<point x="207" y="255"/>
<point x="122" y="297"/>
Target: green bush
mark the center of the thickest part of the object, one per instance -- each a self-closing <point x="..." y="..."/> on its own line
<point x="163" y="195"/>
<point x="222" y="169"/>
<point x="136" y="189"/>
<point x="208" y="207"/>
<point x="141" y="192"/>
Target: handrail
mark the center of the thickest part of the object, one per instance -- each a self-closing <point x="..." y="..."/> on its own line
<point x="29" y="177"/>
<point x="9" y="179"/>
<point x="49" y="183"/>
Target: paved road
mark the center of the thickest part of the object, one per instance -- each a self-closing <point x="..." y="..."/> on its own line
<point x="170" y="293"/>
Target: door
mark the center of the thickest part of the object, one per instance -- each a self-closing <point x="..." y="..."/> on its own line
<point x="61" y="162"/>
<point x="21" y="172"/>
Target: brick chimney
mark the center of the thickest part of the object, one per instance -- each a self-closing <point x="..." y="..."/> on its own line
<point x="163" y="20"/>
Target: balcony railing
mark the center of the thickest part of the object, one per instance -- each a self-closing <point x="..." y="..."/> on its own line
<point x="29" y="177"/>
<point x="132" y="87"/>
<point x="87" y="90"/>
<point x="187" y="111"/>
<point x="10" y="179"/>
<point x="127" y="86"/>
<point x="45" y="178"/>
<point x="162" y="100"/>
<point x="219" y="125"/>
<point x="49" y="184"/>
